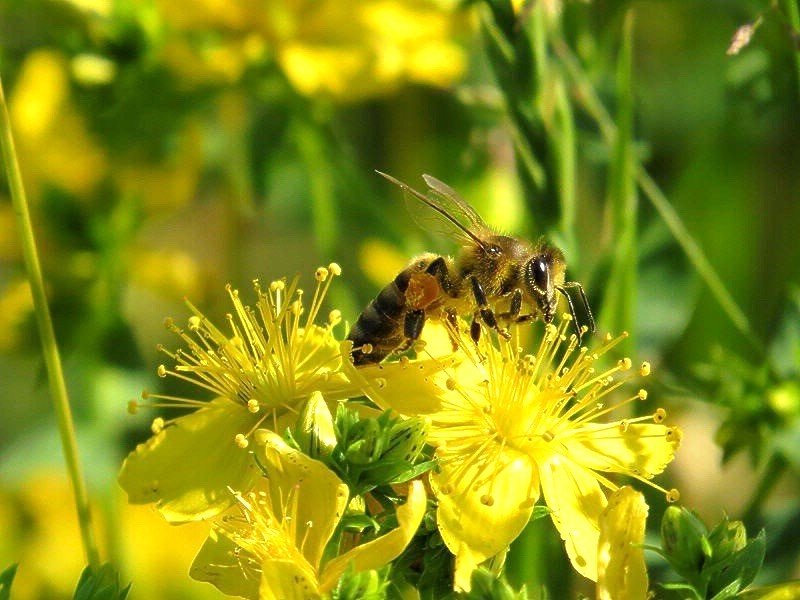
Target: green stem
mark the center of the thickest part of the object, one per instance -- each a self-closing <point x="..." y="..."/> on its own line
<point x="58" y="388"/>
<point x="793" y="13"/>
<point x="591" y="102"/>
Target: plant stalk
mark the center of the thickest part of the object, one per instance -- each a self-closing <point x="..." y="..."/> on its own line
<point x="58" y="388"/>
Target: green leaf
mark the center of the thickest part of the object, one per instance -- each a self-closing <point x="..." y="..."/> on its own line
<point x="6" y="579"/>
<point x="102" y="585"/>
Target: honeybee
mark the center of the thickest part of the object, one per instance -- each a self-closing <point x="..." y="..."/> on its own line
<point x="490" y="267"/>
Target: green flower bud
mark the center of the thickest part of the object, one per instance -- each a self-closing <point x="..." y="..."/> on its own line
<point x="684" y="541"/>
<point x="726" y="538"/>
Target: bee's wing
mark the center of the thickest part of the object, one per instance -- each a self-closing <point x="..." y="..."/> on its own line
<point x="443" y="211"/>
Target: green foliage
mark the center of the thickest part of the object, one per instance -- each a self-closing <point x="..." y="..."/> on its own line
<point x="489" y="586"/>
<point x="762" y="398"/>
<point x="369" y="585"/>
<point x="381" y="451"/>
<point x="101" y="585"/>
<point x="716" y="564"/>
<point x="6" y="579"/>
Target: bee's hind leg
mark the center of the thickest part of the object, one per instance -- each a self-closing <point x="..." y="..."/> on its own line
<point x="413" y="324"/>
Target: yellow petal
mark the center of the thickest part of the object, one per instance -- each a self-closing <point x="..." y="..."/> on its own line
<point x="286" y="580"/>
<point x="378" y="552"/>
<point x="408" y="387"/>
<point x="479" y="520"/>
<point x="189" y="467"/>
<point x="222" y="564"/>
<point x="574" y="496"/>
<point x="320" y="496"/>
<point x="644" y="450"/>
<point x="621" y="571"/>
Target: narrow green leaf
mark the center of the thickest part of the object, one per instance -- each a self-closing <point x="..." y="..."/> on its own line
<point x="6" y="579"/>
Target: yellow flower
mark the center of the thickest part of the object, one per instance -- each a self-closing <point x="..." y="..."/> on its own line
<point x="260" y="372"/>
<point x="271" y="544"/>
<point x="350" y="51"/>
<point x="621" y="571"/>
<point x="507" y="425"/>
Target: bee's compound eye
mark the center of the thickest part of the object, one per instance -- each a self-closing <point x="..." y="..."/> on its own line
<point x="539" y="274"/>
<point x="494" y="250"/>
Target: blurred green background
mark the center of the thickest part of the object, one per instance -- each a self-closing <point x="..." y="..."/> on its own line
<point x="172" y="146"/>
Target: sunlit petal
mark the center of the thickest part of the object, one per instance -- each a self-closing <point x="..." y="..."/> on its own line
<point x="190" y="466"/>
<point x="575" y="499"/>
<point x="645" y="450"/>
<point x="320" y="496"/>
<point x="484" y="507"/>
<point x="222" y="564"/>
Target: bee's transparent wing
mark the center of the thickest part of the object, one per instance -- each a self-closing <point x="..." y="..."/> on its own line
<point x="441" y="210"/>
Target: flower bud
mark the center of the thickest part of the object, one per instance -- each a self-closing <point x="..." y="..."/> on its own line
<point x="314" y="431"/>
<point x="684" y="541"/>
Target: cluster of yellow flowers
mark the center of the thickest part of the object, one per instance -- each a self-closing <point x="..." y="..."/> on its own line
<point x="506" y="428"/>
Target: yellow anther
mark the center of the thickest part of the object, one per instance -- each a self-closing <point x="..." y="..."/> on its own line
<point x="335" y="269"/>
<point x="366" y="349"/>
<point x="623" y="426"/>
<point x="241" y="441"/>
<point x="161" y="371"/>
<point x="253" y="406"/>
<point x="321" y="274"/>
<point x="450" y="384"/>
<point x="625" y="363"/>
<point x="335" y="317"/>
<point x="659" y="416"/>
<point x="276" y="286"/>
<point x="133" y="407"/>
<point x="157" y="425"/>
<point x="642" y="393"/>
<point x="673" y="496"/>
<point x="644" y="371"/>
<point x="195" y="322"/>
<point x="487" y="500"/>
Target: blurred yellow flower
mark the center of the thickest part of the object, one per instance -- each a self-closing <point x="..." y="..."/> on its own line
<point x="506" y="425"/>
<point x="350" y="51"/>
<point x="271" y="544"/>
<point x="261" y="373"/>
<point x="16" y="303"/>
<point x="53" y="142"/>
<point x="326" y="48"/>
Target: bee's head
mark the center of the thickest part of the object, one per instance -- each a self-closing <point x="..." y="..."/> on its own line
<point x="540" y="284"/>
<point x="543" y="275"/>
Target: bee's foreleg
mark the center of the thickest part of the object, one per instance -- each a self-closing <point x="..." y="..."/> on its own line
<point x="485" y="311"/>
<point x="566" y="290"/>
